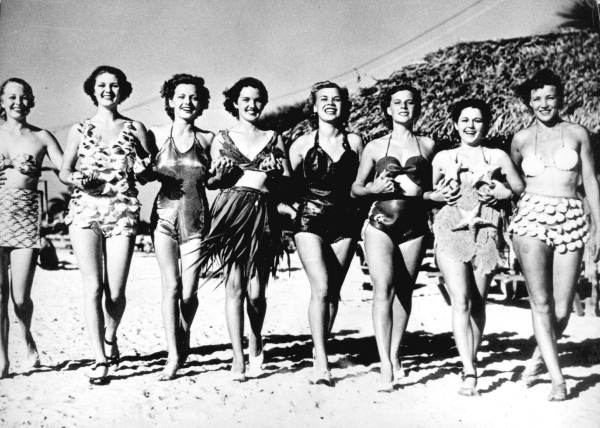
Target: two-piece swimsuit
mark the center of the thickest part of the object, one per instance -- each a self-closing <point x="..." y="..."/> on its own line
<point x="559" y="222"/>
<point x="478" y="242"/>
<point x="326" y="207"/>
<point x="401" y="217"/>
<point x="114" y="208"/>
<point x="20" y="214"/>
<point x="244" y="230"/>
<point x="181" y="209"/>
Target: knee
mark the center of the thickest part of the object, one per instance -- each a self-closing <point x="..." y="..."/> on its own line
<point x="541" y="306"/>
<point x="461" y="304"/>
<point x="22" y="306"/>
<point x="116" y="299"/>
<point x="170" y="291"/>
<point x="320" y="293"/>
<point x="189" y="299"/>
<point x="256" y="301"/>
<point x="234" y="292"/>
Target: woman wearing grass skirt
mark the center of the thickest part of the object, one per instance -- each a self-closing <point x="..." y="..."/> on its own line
<point x="395" y="170"/>
<point x="244" y="235"/>
<point x="103" y="214"/>
<point x="549" y="229"/>
<point x="325" y="162"/>
<point x="22" y="151"/>
<point x="468" y="228"/>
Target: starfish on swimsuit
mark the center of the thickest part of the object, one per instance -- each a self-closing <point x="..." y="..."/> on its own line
<point x="452" y="172"/>
<point x="470" y="220"/>
<point x="483" y="175"/>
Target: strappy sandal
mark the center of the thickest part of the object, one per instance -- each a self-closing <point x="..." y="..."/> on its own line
<point x="115" y="355"/>
<point x="558" y="392"/>
<point x="468" y="390"/>
<point x="98" y="373"/>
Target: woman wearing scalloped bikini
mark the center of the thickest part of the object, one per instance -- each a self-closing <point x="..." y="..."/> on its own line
<point x="244" y="236"/>
<point x="467" y="228"/>
<point x="22" y="151"/>
<point x="325" y="162"/>
<point x="549" y="228"/>
<point x="395" y="170"/>
<point x="104" y="210"/>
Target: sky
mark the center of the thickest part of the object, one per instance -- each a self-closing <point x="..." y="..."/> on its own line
<point x="288" y="44"/>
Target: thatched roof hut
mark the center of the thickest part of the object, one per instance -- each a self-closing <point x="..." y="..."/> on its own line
<point x="489" y="70"/>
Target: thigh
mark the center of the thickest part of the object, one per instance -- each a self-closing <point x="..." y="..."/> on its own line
<point x="313" y="253"/>
<point x="166" y="250"/>
<point x="190" y="265"/>
<point x="119" y="250"/>
<point x="379" y="252"/>
<point x="22" y="268"/>
<point x="4" y="281"/>
<point x="457" y="275"/>
<point x="412" y="255"/>
<point x="344" y="250"/>
<point x="87" y="246"/>
<point x="565" y="274"/>
<point x="535" y="258"/>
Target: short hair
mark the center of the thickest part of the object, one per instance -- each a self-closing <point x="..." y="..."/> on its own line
<point x="486" y="112"/>
<point x="167" y="91"/>
<point x="385" y="100"/>
<point x="312" y="100"/>
<point x="26" y="88"/>
<point x="125" y="87"/>
<point x="540" y="79"/>
<point x="232" y="94"/>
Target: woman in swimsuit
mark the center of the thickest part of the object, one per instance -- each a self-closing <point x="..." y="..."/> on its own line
<point x="104" y="210"/>
<point x="244" y="236"/>
<point x="395" y="171"/>
<point x="181" y="154"/>
<point x="327" y="223"/>
<point x="22" y="151"/>
<point x="549" y="228"/>
<point x="467" y="230"/>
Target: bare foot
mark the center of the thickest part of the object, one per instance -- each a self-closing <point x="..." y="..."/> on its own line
<point x="33" y="357"/>
<point x="558" y="392"/>
<point x="169" y="371"/>
<point x="468" y="387"/>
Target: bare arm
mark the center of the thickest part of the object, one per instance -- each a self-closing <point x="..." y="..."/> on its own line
<point x="510" y="171"/>
<point x="381" y="184"/>
<point x="70" y="156"/>
<point x="53" y="149"/>
<point x="590" y="184"/>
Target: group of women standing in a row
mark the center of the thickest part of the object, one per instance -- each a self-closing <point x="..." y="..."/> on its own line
<point x="319" y="183"/>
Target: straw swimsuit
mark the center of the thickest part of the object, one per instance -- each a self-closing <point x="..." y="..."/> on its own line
<point x="402" y="218"/>
<point x="326" y="207"/>
<point x="20" y="215"/>
<point x="114" y="209"/>
<point x="181" y="208"/>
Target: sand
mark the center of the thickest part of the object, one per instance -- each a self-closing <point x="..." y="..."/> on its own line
<point x="58" y="393"/>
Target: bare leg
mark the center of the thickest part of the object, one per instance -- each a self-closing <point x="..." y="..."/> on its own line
<point x="119" y="250"/>
<point x="22" y="267"/>
<point x="87" y="246"/>
<point x="4" y="293"/>
<point x="256" y="307"/>
<point x="190" y="272"/>
<point x="235" y="290"/>
<point x="344" y="251"/>
<point x="478" y="293"/>
<point x="565" y="274"/>
<point x="167" y="252"/>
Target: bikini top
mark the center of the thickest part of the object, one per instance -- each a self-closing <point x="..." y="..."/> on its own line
<point x="189" y="166"/>
<point x="111" y="161"/>
<point x="417" y="168"/>
<point x="564" y="159"/>
<point x="23" y="162"/>
<point x="324" y="177"/>
<point x="231" y="151"/>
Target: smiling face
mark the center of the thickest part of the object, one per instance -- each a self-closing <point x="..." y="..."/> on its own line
<point x="15" y="101"/>
<point x="545" y="103"/>
<point x="249" y="104"/>
<point x="328" y="105"/>
<point x="106" y="90"/>
<point x="402" y="107"/>
<point x="470" y="126"/>
<point x="185" y="102"/>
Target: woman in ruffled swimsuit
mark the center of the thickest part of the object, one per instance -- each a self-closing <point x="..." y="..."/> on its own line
<point x="244" y="235"/>
<point x="549" y="229"/>
<point x="467" y="228"/>
<point x="327" y="223"/>
<point x="22" y="151"/>
<point x="180" y="217"/>
<point x="395" y="171"/>
<point x="103" y="212"/>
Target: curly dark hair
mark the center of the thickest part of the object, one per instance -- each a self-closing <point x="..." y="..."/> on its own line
<point x="486" y="112"/>
<point x="385" y="100"/>
<point x="26" y="88"/>
<point x="232" y="94"/>
<point x="167" y="91"/>
<point x="125" y="87"/>
<point x="312" y="100"/>
<point x="540" y="79"/>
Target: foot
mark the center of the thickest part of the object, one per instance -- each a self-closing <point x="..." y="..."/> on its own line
<point x="98" y="373"/>
<point x="468" y="387"/>
<point x="169" y="371"/>
<point x="33" y="357"/>
<point x="255" y="364"/>
<point x="399" y="372"/>
<point x="385" y="387"/>
<point x="558" y="392"/>
<point x="322" y="377"/>
<point x="237" y="376"/>
<point x="533" y="370"/>
<point x="112" y="351"/>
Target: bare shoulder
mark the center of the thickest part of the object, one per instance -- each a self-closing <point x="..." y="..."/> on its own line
<point x="355" y="141"/>
<point x="522" y="137"/>
<point x="498" y="155"/>
<point x="301" y="144"/>
<point x="427" y="143"/>
<point x="577" y="130"/>
<point x="443" y="156"/>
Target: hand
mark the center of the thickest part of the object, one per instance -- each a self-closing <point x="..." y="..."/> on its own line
<point x="493" y="193"/>
<point x="288" y="210"/>
<point x="382" y="184"/>
<point x="271" y="165"/>
<point x="447" y="191"/>
<point x="221" y="166"/>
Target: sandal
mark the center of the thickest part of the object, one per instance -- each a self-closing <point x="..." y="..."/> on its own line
<point x="558" y="392"/>
<point x="114" y="355"/>
<point x="98" y="373"/>
<point x="467" y="389"/>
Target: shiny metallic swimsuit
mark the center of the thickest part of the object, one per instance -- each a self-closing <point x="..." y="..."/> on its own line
<point x="181" y="208"/>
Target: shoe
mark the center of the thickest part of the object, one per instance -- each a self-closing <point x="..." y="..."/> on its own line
<point x="169" y="371"/>
<point x="468" y="388"/>
<point x="322" y="378"/>
<point x="98" y="373"/>
<point x="255" y="364"/>
<point x="558" y="392"/>
<point x="237" y="376"/>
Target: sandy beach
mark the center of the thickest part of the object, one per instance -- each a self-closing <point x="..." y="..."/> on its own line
<point x="58" y="393"/>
